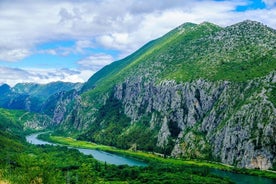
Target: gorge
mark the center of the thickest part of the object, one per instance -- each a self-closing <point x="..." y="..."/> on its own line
<point x="200" y="92"/>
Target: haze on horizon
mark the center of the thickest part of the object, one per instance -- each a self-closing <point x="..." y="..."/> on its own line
<point x="45" y="41"/>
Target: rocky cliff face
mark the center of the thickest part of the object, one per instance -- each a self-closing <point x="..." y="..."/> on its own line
<point x="231" y="122"/>
<point x="200" y="91"/>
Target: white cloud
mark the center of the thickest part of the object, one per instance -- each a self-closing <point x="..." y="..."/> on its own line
<point x="48" y="51"/>
<point x="113" y="24"/>
<point x="13" y="54"/>
<point x="83" y="44"/>
<point x="95" y="62"/>
<point x="270" y="3"/>
<point x="122" y="25"/>
<point x="79" y="48"/>
<point x="13" y="76"/>
<point x="115" y="40"/>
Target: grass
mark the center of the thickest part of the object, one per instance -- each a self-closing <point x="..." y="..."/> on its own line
<point x="152" y="158"/>
<point x="144" y="58"/>
<point x="191" y="55"/>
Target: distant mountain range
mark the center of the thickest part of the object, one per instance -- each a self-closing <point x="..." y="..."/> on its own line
<point x="201" y="91"/>
<point x="32" y="97"/>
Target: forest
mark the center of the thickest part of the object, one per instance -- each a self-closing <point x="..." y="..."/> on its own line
<point x="24" y="163"/>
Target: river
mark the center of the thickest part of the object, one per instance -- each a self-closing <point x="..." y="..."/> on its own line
<point x="243" y="178"/>
<point x="98" y="155"/>
<point x="111" y="158"/>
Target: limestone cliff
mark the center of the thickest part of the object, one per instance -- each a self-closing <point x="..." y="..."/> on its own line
<point x="200" y="91"/>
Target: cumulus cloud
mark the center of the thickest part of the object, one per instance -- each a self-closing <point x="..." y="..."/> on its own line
<point x="270" y="3"/>
<point x="13" y="76"/>
<point x="78" y="48"/>
<point x="123" y="26"/>
<point x="83" y="44"/>
<point x="13" y="54"/>
<point x="96" y="61"/>
<point x="115" y="40"/>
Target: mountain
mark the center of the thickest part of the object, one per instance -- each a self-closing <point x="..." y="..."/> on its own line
<point x="32" y="96"/>
<point x="45" y="90"/>
<point x="201" y="91"/>
<point x="4" y="88"/>
<point x="20" y="122"/>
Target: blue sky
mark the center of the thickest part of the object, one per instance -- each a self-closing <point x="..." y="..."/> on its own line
<point x="253" y="5"/>
<point x="44" y="41"/>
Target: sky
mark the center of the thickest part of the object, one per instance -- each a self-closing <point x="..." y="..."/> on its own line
<point x="43" y="41"/>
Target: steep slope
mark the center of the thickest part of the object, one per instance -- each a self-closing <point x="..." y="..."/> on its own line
<point x="108" y="72"/>
<point x="201" y="91"/>
<point x="17" y="122"/>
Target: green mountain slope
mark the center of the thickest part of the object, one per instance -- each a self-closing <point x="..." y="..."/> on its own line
<point x="33" y="97"/>
<point x="20" y="122"/>
<point x="21" y="162"/>
<point x="236" y="53"/>
<point x="44" y="91"/>
<point x="200" y="91"/>
<point x="110" y="71"/>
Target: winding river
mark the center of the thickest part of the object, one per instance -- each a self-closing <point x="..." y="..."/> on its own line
<point x="121" y="160"/>
<point x="98" y="155"/>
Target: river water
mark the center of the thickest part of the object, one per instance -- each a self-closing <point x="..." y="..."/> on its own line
<point x="98" y="155"/>
<point x="243" y="178"/>
<point x="111" y="158"/>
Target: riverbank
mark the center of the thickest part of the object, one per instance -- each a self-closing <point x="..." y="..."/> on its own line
<point x="152" y="158"/>
<point x="106" y="171"/>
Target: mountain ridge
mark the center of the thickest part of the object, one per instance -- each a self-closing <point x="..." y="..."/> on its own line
<point x="245" y="23"/>
<point x="201" y="91"/>
<point x="33" y="96"/>
<point x="177" y="96"/>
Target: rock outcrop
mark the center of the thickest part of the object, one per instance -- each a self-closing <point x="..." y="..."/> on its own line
<point x="200" y="91"/>
<point x="235" y="122"/>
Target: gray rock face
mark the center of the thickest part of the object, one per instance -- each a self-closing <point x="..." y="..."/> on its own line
<point x="236" y="122"/>
<point x="231" y="122"/>
<point x="38" y="122"/>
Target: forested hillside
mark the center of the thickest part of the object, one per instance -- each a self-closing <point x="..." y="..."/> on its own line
<point x="200" y="91"/>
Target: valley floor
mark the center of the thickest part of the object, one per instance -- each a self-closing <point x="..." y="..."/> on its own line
<point x="153" y="158"/>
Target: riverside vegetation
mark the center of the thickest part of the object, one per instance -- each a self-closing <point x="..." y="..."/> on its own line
<point x="154" y="158"/>
<point x="200" y="92"/>
<point x="25" y="163"/>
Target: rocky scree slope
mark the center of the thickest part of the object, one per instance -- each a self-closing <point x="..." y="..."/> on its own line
<point x="200" y="91"/>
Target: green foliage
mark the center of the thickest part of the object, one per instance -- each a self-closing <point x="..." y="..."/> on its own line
<point x="237" y="53"/>
<point x="109" y="124"/>
<point x="44" y="91"/>
<point x="138" y="137"/>
<point x="155" y="160"/>
<point x="9" y="120"/>
<point x="190" y="52"/>
<point x="272" y="94"/>
<point x="24" y="163"/>
<point x="34" y="97"/>
<point x="102" y="81"/>
<point x="112" y="127"/>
